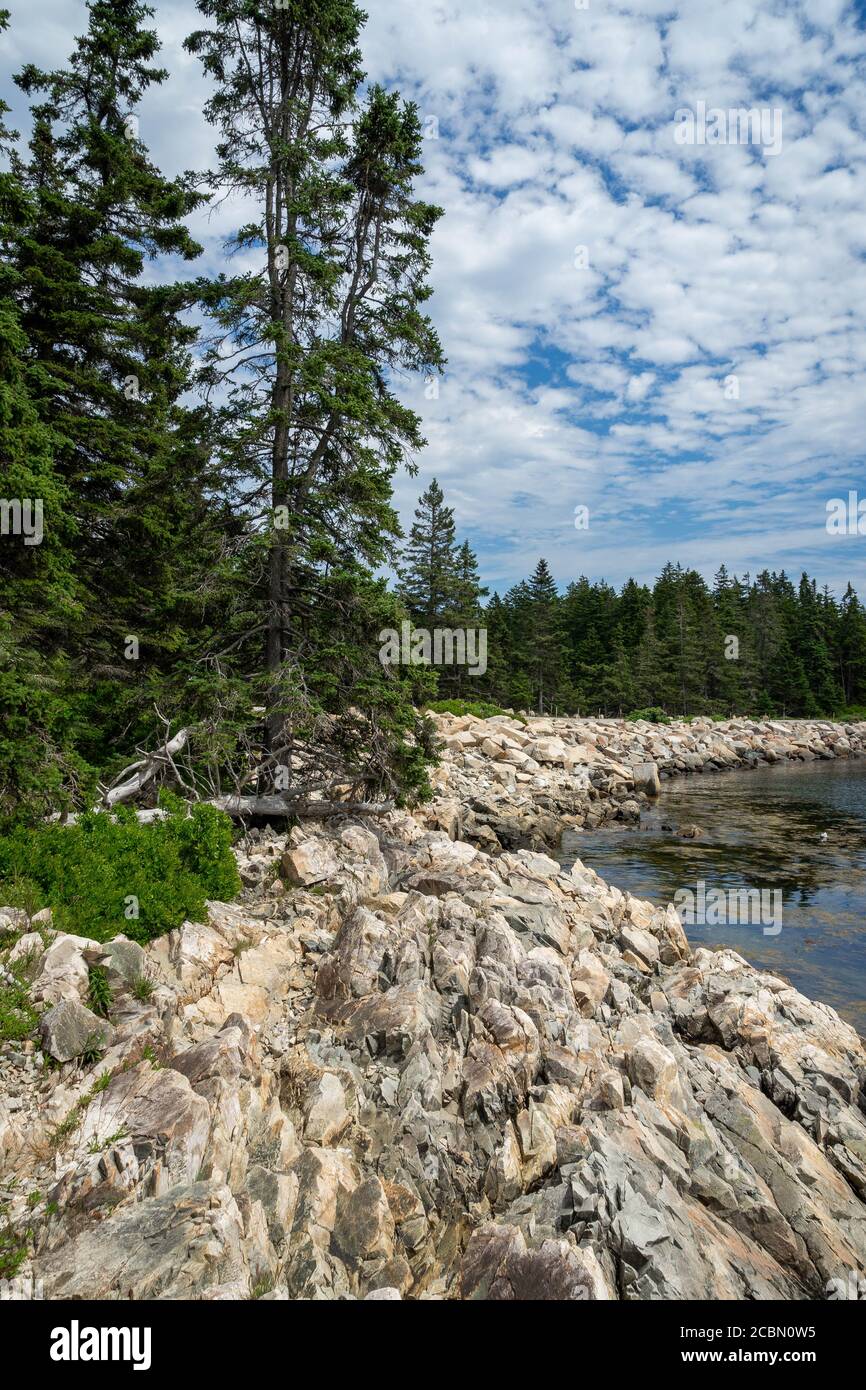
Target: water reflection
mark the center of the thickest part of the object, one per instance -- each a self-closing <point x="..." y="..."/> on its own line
<point x="763" y="830"/>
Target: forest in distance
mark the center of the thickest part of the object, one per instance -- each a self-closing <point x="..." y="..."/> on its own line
<point x="761" y="645"/>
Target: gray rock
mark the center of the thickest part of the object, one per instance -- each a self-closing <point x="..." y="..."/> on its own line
<point x="69" y="1029"/>
<point x="125" y="962"/>
<point x="173" y="1246"/>
<point x="646" y="778"/>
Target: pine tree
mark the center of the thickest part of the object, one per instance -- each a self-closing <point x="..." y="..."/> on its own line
<point x="616" y="686"/>
<point x="651" y="681"/>
<point x="40" y="770"/>
<point x="824" y="693"/>
<point x="852" y="648"/>
<point x="546" y="648"/>
<point x="430" y="578"/>
<point x="40" y="601"/>
<point x="110" y="360"/>
<point x="310" y="433"/>
<point x="495" y="685"/>
<point x="728" y="666"/>
<point x="467" y="614"/>
<point x="470" y="590"/>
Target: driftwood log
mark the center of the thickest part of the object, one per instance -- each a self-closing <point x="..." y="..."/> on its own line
<point x="127" y="786"/>
<point x="273" y="805"/>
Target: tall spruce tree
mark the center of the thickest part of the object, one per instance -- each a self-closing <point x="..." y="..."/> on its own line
<point x="109" y="362"/>
<point x="304" y="343"/>
<point x="545" y="638"/>
<point x="470" y="590"/>
<point x="430" y="581"/>
<point x="468" y="613"/>
<point x="852" y="648"/>
<point x="824" y="692"/>
<point x="40" y="602"/>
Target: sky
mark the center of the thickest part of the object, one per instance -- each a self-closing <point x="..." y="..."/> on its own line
<point x="668" y="333"/>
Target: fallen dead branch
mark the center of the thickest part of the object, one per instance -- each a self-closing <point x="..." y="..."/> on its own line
<point x="125" y="786"/>
<point x="272" y="805"/>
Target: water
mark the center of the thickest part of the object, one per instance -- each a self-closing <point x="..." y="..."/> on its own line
<point x="761" y="830"/>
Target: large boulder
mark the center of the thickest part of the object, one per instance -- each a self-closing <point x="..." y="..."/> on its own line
<point x="70" y="1030"/>
<point x="310" y="862"/>
<point x="499" y="1266"/>
<point x="646" y="779"/>
<point x="325" y="1112"/>
<point x="167" y="1121"/>
<point x="173" y="1246"/>
<point x="63" y="970"/>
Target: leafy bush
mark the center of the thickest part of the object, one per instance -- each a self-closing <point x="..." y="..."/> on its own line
<point x="481" y="709"/>
<point x="108" y="874"/>
<point x="654" y="715"/>
<point x="13" y="1251"/>
<point x="18" y="1018"/>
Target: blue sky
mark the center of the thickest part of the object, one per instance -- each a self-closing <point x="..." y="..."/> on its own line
<point x="598" y="378"/>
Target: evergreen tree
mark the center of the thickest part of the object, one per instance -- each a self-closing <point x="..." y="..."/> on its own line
<point x="824" y="692"/>
<point x="470" y="590"/>
<point x="310" y="432"/>
<point x="852" y="648"/>
<point x="728" y="668"/>
<point x="496" y="684"/>
<point x="430" y="578"/>
<point x="109" y="360"/>
<point x="677" y="633"/>
<point x="617" y="687"/>
<point x="649" y="673"/>
<point x="546" y="649"/>
<point x="467" y="614"/>
<point x="40" y="770"/>
<point x="40" y="600"/>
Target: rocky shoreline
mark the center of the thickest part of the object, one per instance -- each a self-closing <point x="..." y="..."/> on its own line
<point x="509" y="781"/>
<point x="417" y="1059"/>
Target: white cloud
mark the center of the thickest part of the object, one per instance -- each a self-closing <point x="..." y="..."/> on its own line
<point x="604" y="385"/>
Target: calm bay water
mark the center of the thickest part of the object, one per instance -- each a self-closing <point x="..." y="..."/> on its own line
<point x="762" y="830"/>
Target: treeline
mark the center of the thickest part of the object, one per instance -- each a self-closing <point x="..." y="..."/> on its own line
<point x="194" y="520"/>
<point x="762" y="645"/>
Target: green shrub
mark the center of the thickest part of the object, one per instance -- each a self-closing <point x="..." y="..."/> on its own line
<point x="654" y="715"/>
<point x="481" y="709"/>
<point x="13" y="1251"/>
<point x="18" y="1018"/>
<point x="108" y="874"/>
